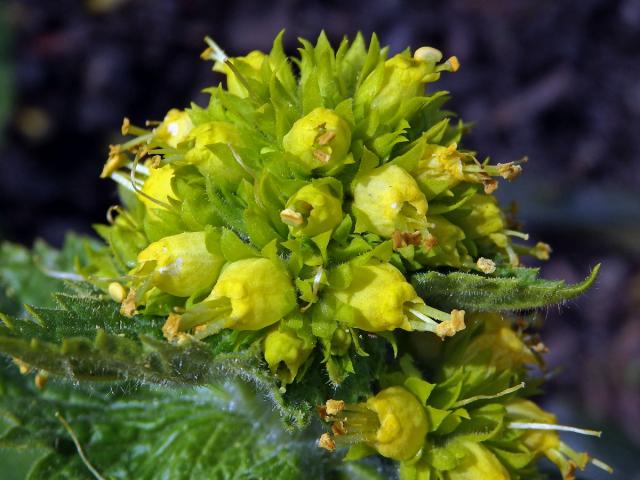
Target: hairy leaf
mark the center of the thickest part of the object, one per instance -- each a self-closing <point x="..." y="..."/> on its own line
<point x="521" y="290"/>
<point x="150" y="433"/>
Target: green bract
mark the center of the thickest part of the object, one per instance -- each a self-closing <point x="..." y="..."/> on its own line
<point x="318" y="229"/>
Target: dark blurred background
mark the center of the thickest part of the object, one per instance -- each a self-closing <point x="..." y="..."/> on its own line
<point x="558" y="81"/>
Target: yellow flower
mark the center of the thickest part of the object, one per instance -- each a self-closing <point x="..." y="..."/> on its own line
<point x="440" y="169"/>
<point x="259" y="293"/>
<point x="388" y="199"/>
<point x="157" y="188"/>
<point x="382" y="300"/>
<point x="393" y="422"/>
<point x="478" y="463"/>
<point x="183" y="265"/>
<point x="313" y="209"/>
<point x="174" y="128"/>
<point x="285" y="353"/>
<point x="321" y="140"/>
<point x="380" y="295"/>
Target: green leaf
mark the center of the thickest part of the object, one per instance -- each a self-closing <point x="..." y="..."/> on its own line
<point x="150" y="433"/>
<point x="477" y="293"/>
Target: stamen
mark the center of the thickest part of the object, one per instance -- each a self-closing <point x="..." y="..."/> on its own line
<point x="291" y="217"/>
<point x="553" y="426"/>
<point x="214" y="51"/>
<point x="321" y="156"/>
<point x="327" y="442"/>
<point x="514" y="233"/>
<point x="122" y="180"/>
<point x="134" y="142"/>
<point x="601" y="465"/>
<point x="486" y="265"/>
<point x="475" y="398"/>
<point x="117" y="292"/>
<point x="138" y="168"/>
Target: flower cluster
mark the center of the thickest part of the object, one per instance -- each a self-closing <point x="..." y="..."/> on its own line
<point x="297" y="205"/>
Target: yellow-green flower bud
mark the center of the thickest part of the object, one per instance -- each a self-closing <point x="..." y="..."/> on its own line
<point x="214" y="132"/>
<point x="157" y="190"/>
<point x="207" y="161"/>
<point x="478" y="463"/>
<point x="388" y="199"/>
<point x="251" y="65"/>
<point x="258" y="290"/>
<point x="174" y="128"/>
<point x="485" y="219"/>
<point x="393" y="422"/>
<point x="285" y="353"/>
<point x="405" y="77"/>
<point x="313" y="209"/>
<point x="183" y="265"/>
<point x="446" y="241"/>
<point x="321" y="139"/>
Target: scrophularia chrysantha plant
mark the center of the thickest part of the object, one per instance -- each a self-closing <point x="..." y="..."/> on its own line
<point x="319" y="227"/>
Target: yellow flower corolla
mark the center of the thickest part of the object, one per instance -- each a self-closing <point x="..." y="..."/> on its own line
<point x="259" y="291"/>
<point x="403" y="423"/>
<point x="440" y="169"/>
<point x="174" y="129"/>
<point x="388" y="199"/>
<point x="321" y="139"/>
<point x="157" y="188"/>
<point x="478" y="463"/>
<point x="393" y="422"/>
<point x="379" y="295"/>
<point x="183" y="265"/>
<point x="313" y="209"/>
<point x="507" y="350"/>
<point x="285" y="353"/>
